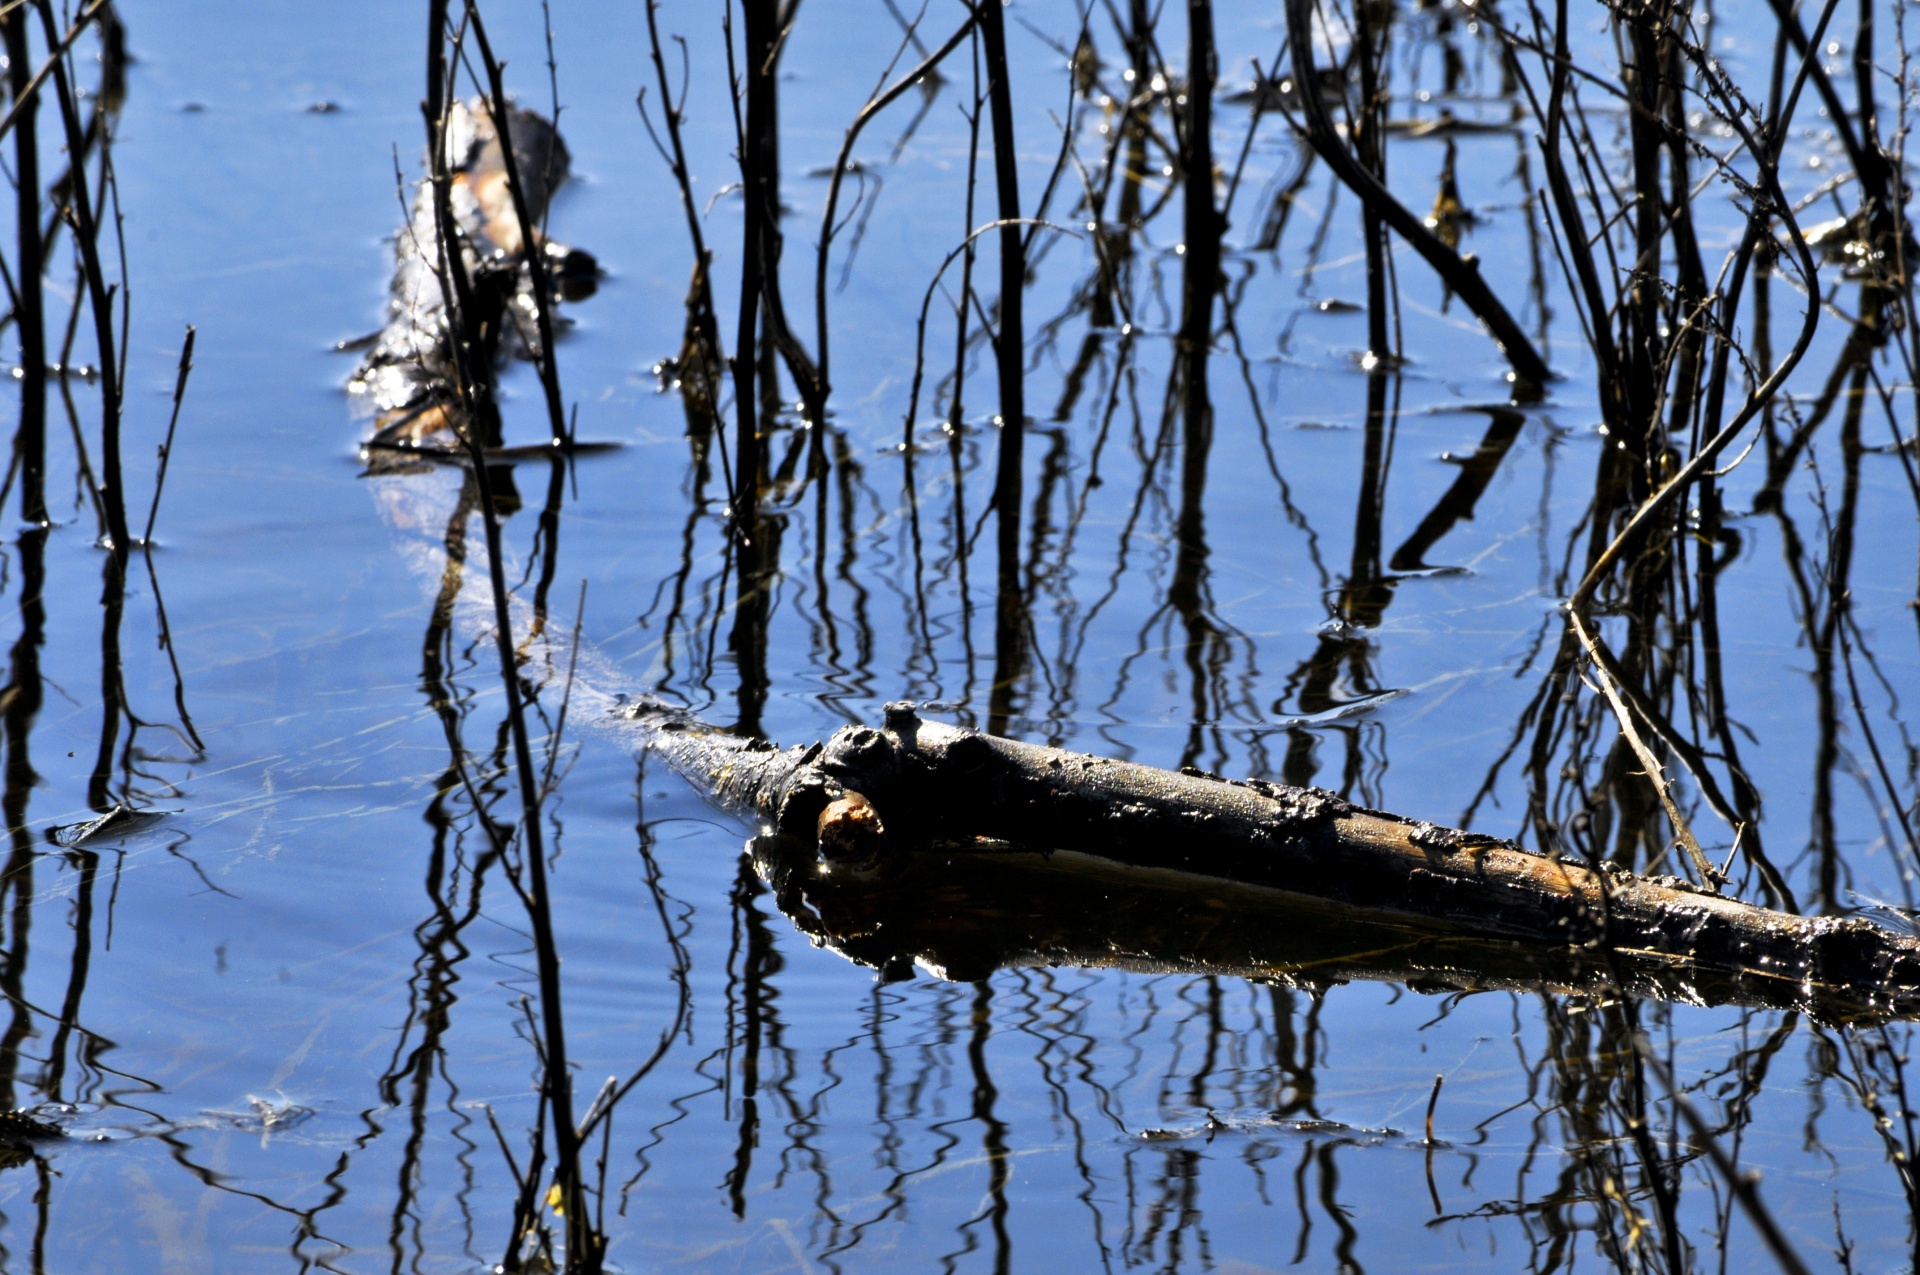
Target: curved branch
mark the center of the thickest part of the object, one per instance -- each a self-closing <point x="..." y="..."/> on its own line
<point x="860" y="121"/>
<point x="1462" y="274"/>
<point x="926" y="303"/>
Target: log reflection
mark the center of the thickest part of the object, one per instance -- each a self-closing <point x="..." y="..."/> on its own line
<point x="962" y="916"/>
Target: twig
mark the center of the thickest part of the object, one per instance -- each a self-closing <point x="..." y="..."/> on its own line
<point x="926" y="303"/>
<point x="566" y="696"/>
<point x="877" y="104"/>
<point x="1651" y="764"/>
<point x="1433" y="1100"/>
<point x="23" y="99"/>
<point x="1010" y="362"/>
<point x="532" y="246"/>
<point x="747" y="463"/>
<point x="166" y="448"/>
<point x="29" y="300"/>
<point x="704" y="315"/>
<point x="87" y="236"/>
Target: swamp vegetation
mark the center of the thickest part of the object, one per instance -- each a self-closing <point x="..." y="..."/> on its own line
<point x="1499" y="413"/>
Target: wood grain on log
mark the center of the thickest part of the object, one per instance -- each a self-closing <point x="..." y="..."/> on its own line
<point x="939" y="792"/>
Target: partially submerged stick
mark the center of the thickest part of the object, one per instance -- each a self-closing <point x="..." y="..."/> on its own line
<point x="880" y="801"/>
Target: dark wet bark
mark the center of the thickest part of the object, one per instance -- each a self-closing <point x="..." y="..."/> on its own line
<point x="940" y="790"/>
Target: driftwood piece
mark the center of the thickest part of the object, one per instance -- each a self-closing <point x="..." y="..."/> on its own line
<point x="929" y="790"/>
<point x="407" y="379"/>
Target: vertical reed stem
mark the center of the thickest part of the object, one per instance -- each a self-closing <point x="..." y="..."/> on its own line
<point x="584" y="1246"/>
<point x="99" y="299"/>
<point x="1010" y="355"/>
<point x="32" y="438"/>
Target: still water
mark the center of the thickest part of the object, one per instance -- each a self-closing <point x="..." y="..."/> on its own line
<point x="283" y="1025"/>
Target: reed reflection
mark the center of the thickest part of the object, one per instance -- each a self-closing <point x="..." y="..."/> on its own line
<point x="1622" y="818"/>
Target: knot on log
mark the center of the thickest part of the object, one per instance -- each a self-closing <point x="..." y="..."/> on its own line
<point x="861" y="758"/>
<point x="850" y="832"/>
<point x="823" y="799"/>
<point x="970" y="753"/>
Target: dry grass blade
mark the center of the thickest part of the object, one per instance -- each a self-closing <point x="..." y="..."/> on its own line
<point x="1655" y="774"/>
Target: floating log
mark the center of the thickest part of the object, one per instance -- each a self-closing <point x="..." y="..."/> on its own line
<point x="920" y="842"/>
<point x="406" y="380"/>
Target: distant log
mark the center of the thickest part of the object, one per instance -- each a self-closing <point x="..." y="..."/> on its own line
<point x="408" y="380"/>
<point x="871" y="804"/>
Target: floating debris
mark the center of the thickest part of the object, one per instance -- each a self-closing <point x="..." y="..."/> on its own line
<point x="266" y="1116"/>
<point x="1215" y="1125"/>
<point x="121" y="821"/>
